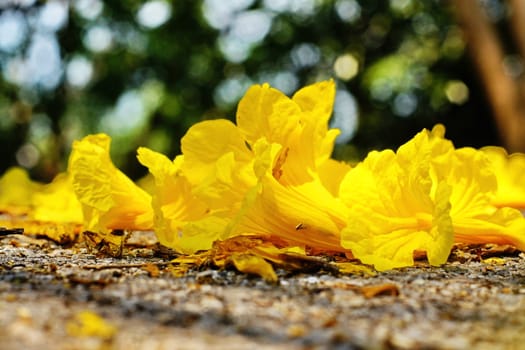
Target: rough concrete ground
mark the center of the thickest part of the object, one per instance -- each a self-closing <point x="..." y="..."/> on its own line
<point x="469" y="303"/>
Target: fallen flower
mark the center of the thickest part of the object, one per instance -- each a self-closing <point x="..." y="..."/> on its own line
<point x="109" y="199"/>
<point x="306" y="214"/>
<point x="178" y="212"/>
<point x="398" y="206"/>
<point x="509" y="170"/>
<point x="474" y="216"/>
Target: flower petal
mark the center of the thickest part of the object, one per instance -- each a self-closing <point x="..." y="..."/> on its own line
<point x="509" y="170"/>
<point x="110" y="200"/>
<point x="57" y="202"/>
<point x="264" y="112"/>
<point x="398" y="205"/>
<point x="16" y="191"/>
<point x="174" y="203"/>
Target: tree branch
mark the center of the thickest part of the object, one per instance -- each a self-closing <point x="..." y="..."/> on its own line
<point x="502" y="91"/>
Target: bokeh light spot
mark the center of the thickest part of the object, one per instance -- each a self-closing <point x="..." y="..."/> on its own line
<point x="79" y="71"/>
<point x="405" y="104"/>
<point x="154" y="13"/>
<point x="53" y="16"/>
<point x="346" y="67"/>
<point x="13" y="30"/>
<point x="348" y="10"/>
<point x="27" y="156"/>
<point x="98" y="38"/>
<point x="345" y="116"/>
<point x="457" y="92"/>
<point x="88" y="9"/>
<point x="305" y="55"/>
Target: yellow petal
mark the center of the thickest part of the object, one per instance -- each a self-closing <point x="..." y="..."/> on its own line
<point x="90" y="324"/>
<point x="306" y="215"/>
<point x="504" y="226"/>
<point x="509" y="171"/>
<point x="254" y="264"/>
<point x="264" y="112"/>
<point x="474" y="184"/>
<point x="110" y="200"/>
<point x="398" y="206"/>
<point x="317" y="100"/>
<point x="174" y="204"/>
<point x="57" y="202"/>
<point x="16" y="191"/>
<point x="206" y="142"/>
<point x="331" y="173"/>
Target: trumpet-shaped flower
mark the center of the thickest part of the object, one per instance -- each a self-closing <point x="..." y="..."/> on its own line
<point x="294" y="199"/>
<point x="180" y="216"/>
<point x="509" y="170"/>
<point x="299" y="125"/>
<point x="424" y="197"/>
<point x="307" y="214"/>
<point x="16" y="191"/>
<point x="218" y="163"/>
<point x="109" y="199"/>
<point x="475" y="218"/>
<point x="398" y="205"/>
<point x="236" y="172"/>
<point x="202" y="190"/>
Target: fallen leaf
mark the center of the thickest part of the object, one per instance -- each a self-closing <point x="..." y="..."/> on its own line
<point x="354" y="269"/>
<point x="254" y="264"/>
<point x="152" y="269"/>
<point x="62" y="233"/>
<point x="494" y="261"/>
<point x="387" y="289"/>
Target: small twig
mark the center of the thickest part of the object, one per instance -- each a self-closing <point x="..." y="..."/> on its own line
<point x="11" y="231"/>
<point x="125" y="266"/>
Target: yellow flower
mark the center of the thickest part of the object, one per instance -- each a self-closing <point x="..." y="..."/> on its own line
<point x="295" y="198"/>
<point x="57" y="202"/>
<point x="475" y="218"/>
<point x="180" y="221"/>
<point x="307" y="214"/>
<point x="398" y="205"/>
<point x="109" y="199"/>
<point x="509" y="170"/>
<point x="424" y="197"/>
<point x="16" y="191"/>
<point x="218" y="163"/>
<point x="265" y="167"/>
<point x="202" y="190"/>
<point x="299" y="125"/>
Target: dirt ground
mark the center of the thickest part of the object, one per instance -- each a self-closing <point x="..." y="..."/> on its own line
<point x="475" y="301"/>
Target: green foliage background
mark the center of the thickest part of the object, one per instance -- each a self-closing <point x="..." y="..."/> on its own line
<point x="409" y="54"/>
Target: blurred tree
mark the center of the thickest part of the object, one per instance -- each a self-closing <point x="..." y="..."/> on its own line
<point x="501" y="74"/>
<point x="144" y="71"/>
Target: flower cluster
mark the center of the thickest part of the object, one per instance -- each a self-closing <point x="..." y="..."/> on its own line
<point x="271" y="176"/>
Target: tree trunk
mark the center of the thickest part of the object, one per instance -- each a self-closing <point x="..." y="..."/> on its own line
<point x="504" y="93"/>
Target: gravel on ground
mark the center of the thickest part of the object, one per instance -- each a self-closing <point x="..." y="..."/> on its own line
<point x="475" y="301"/>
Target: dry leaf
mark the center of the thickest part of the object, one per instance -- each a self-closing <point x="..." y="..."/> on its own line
<point x="152" y="269"/>
<point x="387" y="289"/>
<point x="254" y="264"/>
<point x="354" y="269"/>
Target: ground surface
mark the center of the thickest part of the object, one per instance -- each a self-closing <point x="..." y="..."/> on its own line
<point x="470" y="303"/>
